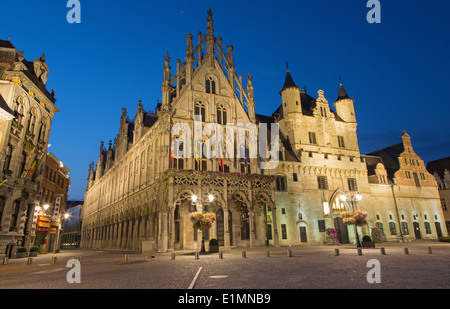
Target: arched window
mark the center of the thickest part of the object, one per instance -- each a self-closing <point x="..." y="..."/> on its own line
<point x="200" y="110"/>
<point x="210" y="85"/>
<point x="14" y="215"/>
<point x="245" y="225"/>
<point x="221" y="114"/>
<point x="32" y="122"/>
<point x="392" y="228"/>
<point x="42" y="130"/>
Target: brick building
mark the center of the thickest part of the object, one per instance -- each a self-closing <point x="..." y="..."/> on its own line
<point x="54" y="192"/>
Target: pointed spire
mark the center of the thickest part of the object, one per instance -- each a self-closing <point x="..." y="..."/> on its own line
<point x="210" y="29"/>
<point x="342" y="93"/>
<point x="289" y="81"/>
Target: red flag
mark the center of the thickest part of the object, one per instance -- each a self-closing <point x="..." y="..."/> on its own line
<point x="267" y="151"/>
<point x="172" y="149"/>
<point x="221" y="158"/>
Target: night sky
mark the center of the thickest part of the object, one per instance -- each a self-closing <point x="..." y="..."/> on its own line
<point x="398" y="72"/>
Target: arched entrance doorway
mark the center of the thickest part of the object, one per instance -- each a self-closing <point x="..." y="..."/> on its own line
<point x="336" y="206"/>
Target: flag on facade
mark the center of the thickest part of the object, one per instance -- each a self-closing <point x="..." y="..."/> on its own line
<point x="172" y="149"/>
<point x="267" y="151"/>
<point x="33" y="167"/>
<point x="221" y="156"/>
<point x="27" y="164"/>
<point x="245" y="153"/>
<point x="197" y="159"/>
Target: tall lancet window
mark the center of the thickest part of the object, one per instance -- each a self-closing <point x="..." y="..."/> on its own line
<point x="32" y="123"/>
<point x="221" y="114"/>
<point x="210" y="85"/>
<point x="200" y="110"/>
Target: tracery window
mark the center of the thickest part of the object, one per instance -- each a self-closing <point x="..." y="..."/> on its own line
<point x="32" y="122"/>
<point x="210" y="85"/>
<point x="200" y="110"/>
<point x="221" y="114"/>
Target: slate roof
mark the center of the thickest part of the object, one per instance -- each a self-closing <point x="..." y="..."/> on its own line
<point x="439" y="166"/>
<point x="389" y="156"/>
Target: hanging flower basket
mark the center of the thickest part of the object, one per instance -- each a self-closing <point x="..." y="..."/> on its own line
<point x="358" y="217"/>
<point x="203" y="220"/>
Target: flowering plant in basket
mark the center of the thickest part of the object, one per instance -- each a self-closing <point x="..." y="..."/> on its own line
<point x="203" y="220"/>
<point x="331" y="238"/>
<point x="358" y="217"/>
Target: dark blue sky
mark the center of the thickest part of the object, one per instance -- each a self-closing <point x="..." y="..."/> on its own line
<point x="398" y="72"/>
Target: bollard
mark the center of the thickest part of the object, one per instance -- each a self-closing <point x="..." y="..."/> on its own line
<point x="5" y="261"/>
<point x="29" y="261"/>
<point x="220" y="254"/>
<point x="429" y="250"/>
<point x="125" y="258"/>
<point x="197" y="256"/>
<point x="54" y="260"/>
<point x="383" y="251"/>
<point x="267" y="253"/>
<point x="359" y="251"/>
<point x="289" y="253"/>
<point x="406" y="250"/>
<point x="336" y="252"/>
<point x="172" y="256"/>
<point x="244" y="254"/>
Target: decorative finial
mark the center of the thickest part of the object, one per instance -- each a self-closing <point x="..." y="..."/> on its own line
<point x="210" y="14"/>
<point x="166" y="57"/>
<point x="340" y="80"/>
<point x="287" y="66"/>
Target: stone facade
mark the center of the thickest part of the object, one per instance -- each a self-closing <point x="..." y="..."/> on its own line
<point x="27" y="110"/>
<point x="440" y="169"/>
<point x="137" y="193"/>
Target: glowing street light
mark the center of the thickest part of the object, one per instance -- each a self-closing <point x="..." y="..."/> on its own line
<point x="46" y="206"/>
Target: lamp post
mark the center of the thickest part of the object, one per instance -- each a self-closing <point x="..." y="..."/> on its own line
<point x="199" y="204"/>
<point x="354" y="199"/>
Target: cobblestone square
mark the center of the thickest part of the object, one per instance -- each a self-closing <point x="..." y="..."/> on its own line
<point x="308" y="267"/>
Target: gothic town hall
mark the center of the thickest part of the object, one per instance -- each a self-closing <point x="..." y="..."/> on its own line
<point x="137" y="192"/>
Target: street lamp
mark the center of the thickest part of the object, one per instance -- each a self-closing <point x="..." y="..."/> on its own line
<point x="46" y="206"/>
<point x="200" y="209"/>
<point x="354" y="199"/>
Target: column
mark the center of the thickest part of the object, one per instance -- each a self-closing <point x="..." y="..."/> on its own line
<point x="275" y="227"/>
<point x="226" y="228"/>
<point x="119" y="236"/>
<point x="252" y="228"/>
